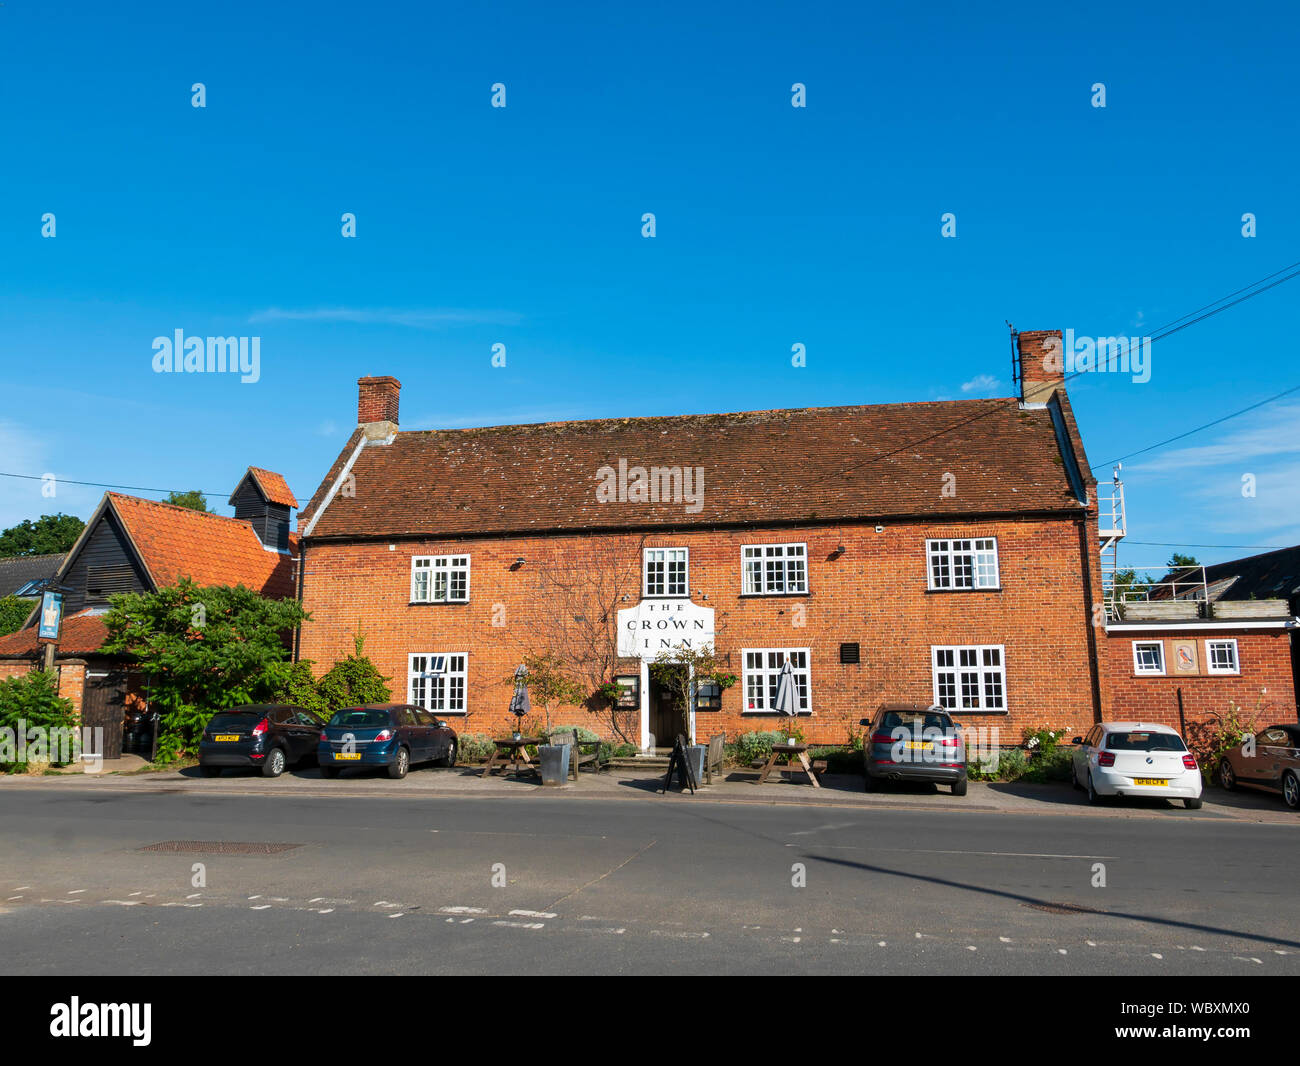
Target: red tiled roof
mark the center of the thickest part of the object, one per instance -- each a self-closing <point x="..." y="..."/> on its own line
<point x="760" y="467"/>
<point x="82" y="634"/>
<point x="176" y="542"/>
<point x="273" y="486"/>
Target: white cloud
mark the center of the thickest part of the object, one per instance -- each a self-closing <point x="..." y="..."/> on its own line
<point x="1269" y="432"/>
<point x="981" y="383"/>
<point x="416" y="318"/>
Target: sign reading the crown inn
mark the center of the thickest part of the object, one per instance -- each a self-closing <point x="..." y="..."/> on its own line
<point x="653" y="626"/>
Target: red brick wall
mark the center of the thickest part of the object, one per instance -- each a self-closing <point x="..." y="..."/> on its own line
<point x="1264" y="690"/>
<point x="874" y="594"/>
<point x="72" y="677"/>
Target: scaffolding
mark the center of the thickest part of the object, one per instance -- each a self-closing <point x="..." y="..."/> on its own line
<point x="1119" y="586"/>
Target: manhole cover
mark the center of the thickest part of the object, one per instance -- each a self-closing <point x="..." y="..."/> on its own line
<point x="1064" y="908"/>
<point x="219" y="847"/>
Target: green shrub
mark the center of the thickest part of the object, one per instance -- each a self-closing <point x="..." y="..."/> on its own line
<point x="623" y="751"/>
<point x="293" y="683"/>
<point x="584" y="735"/>
<point x="751" y="746"/>
<point x="1009" y="764"/>
<point x="1051" y="764"/>
<point x="473" y="747"/>
<point x="32" y="699"/>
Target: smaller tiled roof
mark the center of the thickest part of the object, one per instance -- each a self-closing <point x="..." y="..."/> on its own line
<point x="273" y="486"/>
<point x="176" y="542"/>
<point x="19" y="570"/>
<point x="83" y="633"/>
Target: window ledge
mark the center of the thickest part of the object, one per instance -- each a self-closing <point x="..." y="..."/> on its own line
<point x="437" y="603"/>
<point x="774" y="596"/>
<point x="984" y="588"/>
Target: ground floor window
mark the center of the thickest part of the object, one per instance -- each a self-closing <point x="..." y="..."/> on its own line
<point x="436" y="682"/>
<point x="970" y="678"/>
<point x="763" y="670"/>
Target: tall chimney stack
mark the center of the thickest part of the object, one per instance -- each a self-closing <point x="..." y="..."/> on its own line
<point x="377" y="406"/>
<point x="1042" y="365"/>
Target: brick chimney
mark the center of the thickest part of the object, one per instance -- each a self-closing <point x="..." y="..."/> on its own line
<point x="1042" y="365"/>
<point x="377" y="406"/>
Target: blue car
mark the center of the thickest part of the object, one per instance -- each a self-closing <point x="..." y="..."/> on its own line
<point x="392" y="735"/>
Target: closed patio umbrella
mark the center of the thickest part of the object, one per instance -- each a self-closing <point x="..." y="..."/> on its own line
<point x="787" y="699"/>
<point x="519" y="702"/>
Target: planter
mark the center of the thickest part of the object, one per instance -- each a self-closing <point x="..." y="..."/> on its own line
<point x="555" y="763"/>
<point x="696" y="753"/>
<point x="1251" y="609"/>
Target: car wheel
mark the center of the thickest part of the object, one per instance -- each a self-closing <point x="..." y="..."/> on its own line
<point x="400" y="765"/>
<point x="959" y="786"/>
<point x="1192" y="803"/>
<point x="329" y="771"/>
<point x="1291" y="790"/>
<point x="450" y="758"/>
<point x="274" y="765"/>
<point x="210" y="771"/>
<point x="1226" y="777"/>
<point x="1094" y="797"/>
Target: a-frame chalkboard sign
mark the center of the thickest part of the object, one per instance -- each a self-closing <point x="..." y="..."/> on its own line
<point x="680" y="765"/>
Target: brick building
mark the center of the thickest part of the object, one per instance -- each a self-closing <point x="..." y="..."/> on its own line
<point x="940" y="552"/>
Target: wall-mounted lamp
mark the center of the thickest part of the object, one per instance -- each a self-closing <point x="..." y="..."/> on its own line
<point x="518" y="563"/>
<point x="880" y="529"/>
<point x="839" y="550"/>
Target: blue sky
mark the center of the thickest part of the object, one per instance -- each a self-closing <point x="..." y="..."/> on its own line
<point x="522" y="226"/>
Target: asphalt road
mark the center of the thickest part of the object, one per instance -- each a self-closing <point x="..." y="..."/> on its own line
<point x="669" y="885"/>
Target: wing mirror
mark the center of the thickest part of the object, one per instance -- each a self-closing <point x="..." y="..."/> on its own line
<point x="864" y="721"/>
<point x="1077" y="740"/>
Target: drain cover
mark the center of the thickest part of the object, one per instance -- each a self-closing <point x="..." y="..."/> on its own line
<point x="1064" y="908"/>
<point x="219" y="847"/>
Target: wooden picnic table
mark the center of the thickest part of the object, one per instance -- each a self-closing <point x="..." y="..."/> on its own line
<point x="796" y="755"/>
<point x="512" y="751"/>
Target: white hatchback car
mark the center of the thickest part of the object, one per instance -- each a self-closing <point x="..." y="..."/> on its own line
<point x="1135" y="759"/>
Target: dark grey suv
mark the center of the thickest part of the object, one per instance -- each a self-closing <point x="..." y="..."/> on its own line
<point x="914" y="742"/>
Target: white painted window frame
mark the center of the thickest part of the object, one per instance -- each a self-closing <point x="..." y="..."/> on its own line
<point x="686" y="573"/>
<point x="431" y="565"/>
<point x="450" y="672"/>
<point x="766" y="672"/>
<point x="982" y="671"/>
<point x="746" y="589"/>
<point x="949" y="554"/>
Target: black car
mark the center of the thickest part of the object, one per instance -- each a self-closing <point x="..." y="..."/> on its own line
<point x="268" y="736"/>
<point x="914" y="742"/>
<point x="392" y="735"/>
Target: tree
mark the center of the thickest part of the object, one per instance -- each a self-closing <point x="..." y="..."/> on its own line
<point x="193" y="500"/>
<point x="1179" y="561"/>
<point x="579" y="628"/>
<point x="548" y="683"/>
<point x="353" y="680"/>
<point x="681" y="668"/>
<point x="203" y="649"/>
<point x="51" y="534"/>
<point x="13" y="613"/>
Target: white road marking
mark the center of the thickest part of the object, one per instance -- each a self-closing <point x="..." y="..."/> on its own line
<point x="191" y="905"/>
<point x="123" y="902"/>
<point x="1005" y="939"/>
<point x="462" y="910"/>
<point x="262" y="907"/>
<point x="463" y="921"/>
<point x="532" y="914"/>
<point x="12" y="898"/>
<point x="1093" y="943"/>
<point x="520" y="925"/>
<point x="680" y="936"/>
<point x="1061" y="951"/>
<point x="254" y="897"/>
<point x="880" y="943"/>
<point x="1196" y="948"/>
<point x="324" y="910"/>
<point x="1242" y="958"/>
<point x="76" y="891"/>
<point x="1156" y="955"/>
<point x="397" y="915"/>
<point x="971" y="947"/>
<point x="194" y="895"/>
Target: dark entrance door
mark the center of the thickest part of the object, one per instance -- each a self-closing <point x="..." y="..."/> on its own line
<point x="103" y="706"/>
<point x="665" y="716"/>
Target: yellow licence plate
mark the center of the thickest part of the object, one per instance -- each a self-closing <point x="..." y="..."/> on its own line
<point x="226" y="736"/>
<point x="1150" y="781"/>
<point x="347" y="755"/>
<point x="918" y="745"/>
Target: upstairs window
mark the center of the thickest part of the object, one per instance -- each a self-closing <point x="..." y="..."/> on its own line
<point x="963" y="564"/>
<point x="440" y="579"/>
<point x="1148" y="657"/>
<point x="1221" y="657"/>
<point x="665" y="572"/>
<point x="774" y="569"/>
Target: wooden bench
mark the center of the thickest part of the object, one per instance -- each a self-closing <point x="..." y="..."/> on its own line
<point x="577" y="756"/>
<point x="713" y="757"/>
